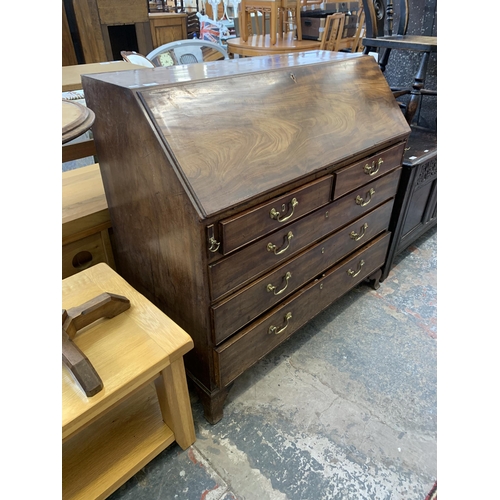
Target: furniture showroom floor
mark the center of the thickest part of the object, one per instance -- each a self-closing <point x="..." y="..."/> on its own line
<point x="345" y="409"/>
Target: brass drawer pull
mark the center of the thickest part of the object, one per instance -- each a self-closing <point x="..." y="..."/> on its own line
<point x="360" y="201"/>
<point x="352" y="273"/>
<point x="214" y="244"/>
<point x="372" y="170"/>
<point x="273" y="248"/>
<point x="355" y="236"/>
<point x="274" y="214"/>
<point x="273" y="329"/>
<point x="272" y="288"/>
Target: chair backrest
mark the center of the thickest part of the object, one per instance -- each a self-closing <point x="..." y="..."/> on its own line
<point x="380" y="17"/>
<point x="135" y="58"/>
<point x="186" y="52"/>
<point x="334" y="30"/>
<point x="258" y="22"/>
<point x="357" y="44"/>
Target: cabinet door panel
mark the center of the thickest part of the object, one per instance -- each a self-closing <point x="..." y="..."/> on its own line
<point x="168" y="29"/>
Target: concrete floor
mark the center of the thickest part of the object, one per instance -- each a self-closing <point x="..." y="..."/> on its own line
<point x="345" y="409"/>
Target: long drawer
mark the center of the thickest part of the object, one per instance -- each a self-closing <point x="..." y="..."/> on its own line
<point x="246" y="227"/>
<point x="245" y="305"/>
<point x="250" y="262"/>
<point x="240" y="352"/>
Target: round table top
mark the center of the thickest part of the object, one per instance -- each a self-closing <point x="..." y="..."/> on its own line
<point x="76" y="120"/>
<point x="260" y="45"/>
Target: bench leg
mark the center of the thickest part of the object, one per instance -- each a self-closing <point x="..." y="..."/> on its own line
<point x="173" y="395"/>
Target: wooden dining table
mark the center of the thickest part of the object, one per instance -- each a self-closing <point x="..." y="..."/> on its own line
<point x="72" y="75"/>
<point x="260" y="45"/>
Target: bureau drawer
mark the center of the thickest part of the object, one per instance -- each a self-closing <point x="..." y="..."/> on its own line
<point x="266" y="218"/>
<point x="245" y="305"/>
<point x="250" y="262"/>
<point x="349" y="178"/>
<point x="243" y="350"/>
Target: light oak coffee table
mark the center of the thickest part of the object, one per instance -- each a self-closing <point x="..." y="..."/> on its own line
<point x="144" y="405"/>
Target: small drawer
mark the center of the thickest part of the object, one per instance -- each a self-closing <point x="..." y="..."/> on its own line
<point x="266" y="218"/>
<point x="244" y="306"/>
<point x="241" y="267"/>
<point x="243" y="350"/>
<point x="352" y="177"/>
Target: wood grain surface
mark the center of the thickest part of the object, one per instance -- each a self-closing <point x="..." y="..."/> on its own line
<point x="276" y="118"/>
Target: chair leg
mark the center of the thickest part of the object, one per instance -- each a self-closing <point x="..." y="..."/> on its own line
<point x="298" y="22"/>
<point x="273" y="25"/>
<point x="417" y="87"/>
<point x="384" y="58"/>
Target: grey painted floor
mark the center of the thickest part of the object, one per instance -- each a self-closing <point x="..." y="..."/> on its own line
<point x="345" y="409"/>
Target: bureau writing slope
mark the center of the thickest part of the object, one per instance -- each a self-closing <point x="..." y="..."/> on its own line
<point x="247" y="195"/>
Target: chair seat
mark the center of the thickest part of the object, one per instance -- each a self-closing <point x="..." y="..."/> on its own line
<point x="404" y="42"/>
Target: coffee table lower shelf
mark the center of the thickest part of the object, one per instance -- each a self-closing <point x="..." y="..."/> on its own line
<point x="107" y="453"/>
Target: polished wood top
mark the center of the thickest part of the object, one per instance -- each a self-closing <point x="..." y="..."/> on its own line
<point x="82" y="193"/>
<point x="252" y="131"/>
<point x="141" y="80"/>
<point x="72" y="75"/>
<point x="259" y="45"/>
<point x="408" y="42"/>
<point x="76" y="120"/>
<point x="166" y="15"/>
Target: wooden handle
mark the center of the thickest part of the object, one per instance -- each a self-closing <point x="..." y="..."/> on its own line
<point x="106" y="305"/>
<point x="80" y="366"/>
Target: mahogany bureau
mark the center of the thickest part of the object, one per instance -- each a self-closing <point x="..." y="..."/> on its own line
<point x="247" y="195"/>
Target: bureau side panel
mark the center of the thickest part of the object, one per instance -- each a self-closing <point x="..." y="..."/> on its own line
<point x="158" y="238"/>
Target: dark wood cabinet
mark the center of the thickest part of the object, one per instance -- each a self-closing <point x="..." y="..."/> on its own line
<point x="247" y="195"/>
<point x="415" y="207"/>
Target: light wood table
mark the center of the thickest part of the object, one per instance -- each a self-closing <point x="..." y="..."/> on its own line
<point x="144" y="405"/>
<point x="72" y="75"/>
<point x="85" y="221"/>
<point x="76" y="120"/>
<point x="260" y="45"/>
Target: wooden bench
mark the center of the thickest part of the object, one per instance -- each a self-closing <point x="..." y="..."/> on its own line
<point x="144" y="404"/>
<point x="85" y="221"/>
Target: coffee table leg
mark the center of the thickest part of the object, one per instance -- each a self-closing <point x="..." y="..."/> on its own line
<point x="173" y="396"/>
